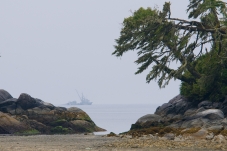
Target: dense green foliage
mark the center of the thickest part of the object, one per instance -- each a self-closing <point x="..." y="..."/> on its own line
<point x="199" y="47"/>
<point x="211" y="87"/>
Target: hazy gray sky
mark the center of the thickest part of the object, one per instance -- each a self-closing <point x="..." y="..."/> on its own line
<point x="50" y="48"/>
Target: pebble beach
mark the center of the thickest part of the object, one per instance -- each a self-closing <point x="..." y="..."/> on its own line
<point x="101" y="143"/>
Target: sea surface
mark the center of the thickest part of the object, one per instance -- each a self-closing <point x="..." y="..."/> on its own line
<point x="115" y="118"/>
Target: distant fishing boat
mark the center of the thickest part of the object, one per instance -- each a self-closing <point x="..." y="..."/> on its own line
<point x="83" y="101"/>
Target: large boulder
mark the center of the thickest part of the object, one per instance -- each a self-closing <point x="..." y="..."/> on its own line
<point x="4" y="95"/>
<point x="83" y="126"/>
<point x="148" y="121"/>
<point x="27" y="102"/>
<point x="74" y="109"/>
<point x="8" y="102"/>
<point x="205" y="104"/>
<point x="73" y="119"/>
<point x="207" y="118"/>
<point x="184" y="119"/>
<point x="166" y="108"/>
<point x="177" y="105"/>
<point x="27" y="113"/>
<point x="149" y="118"/>
<point x="9" y="125"/>
<point x="211" y="114"/>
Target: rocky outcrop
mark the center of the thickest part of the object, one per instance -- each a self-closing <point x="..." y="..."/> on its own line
<point x="28" y="114"/>
<point x="180" y="116"/>
<point x="9" y="125"/>
<point x="4" y="95"/>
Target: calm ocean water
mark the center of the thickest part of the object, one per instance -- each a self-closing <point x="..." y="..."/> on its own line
<point x="116" y="118"/>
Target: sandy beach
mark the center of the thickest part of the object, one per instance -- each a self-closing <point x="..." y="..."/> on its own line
<point x="96" y="143"/>
<point x="52" y="142"/>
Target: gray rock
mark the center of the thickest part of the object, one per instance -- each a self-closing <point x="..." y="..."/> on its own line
<point x="177" y="98"/>
<point x="9" y="125"/>
<point x="170" y="116"/>
<point x="177" y="105"/>
<point x="182" y="106"/>
<point x="210" y="136"/>
<point x="193" y="123"/>
<point x="82" y="125"/>
<point x="224" y="122"/>
<point x="217" y="105"/>
<point x="211" y="114"/>
<point x="61" y="108"/>
<point x="201" y="134"/>
<point x="27" y="102"/>
<point x="4" y="95"/>
<point x="19" y="111"/>
<point x="169" y="136"/>
<point x="9" y="109"/>
<point x="205" y="118"/>
<point x="149" y="118"/>
<point x="224" y="109"/>
<point x="219" y="139"/>
<point x="205" y="104"/>
<point x="200" y="109"/>
<point x="74" y="109"/>
<point x="8" y="102"/>
<point x="38" y="111"/>
<point x="190" y="112"/>
<point x="179" y="138"/>
<point x="165" y="109"/>
<point x="215" y="128"/>
<point x="177" y="117"/>
<point x="176" y="125"/>
<point x="47" y="106"/>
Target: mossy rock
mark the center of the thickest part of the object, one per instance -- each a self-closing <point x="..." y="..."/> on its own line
<point x="28" y="132"/>
<point x="60" y="130"/>
<point x="59" y="122"/>
<point x="190" y="131"/>
<point x="111" y="134"/>
<point x="160" y="131"/>
<point x="82" y="126"/>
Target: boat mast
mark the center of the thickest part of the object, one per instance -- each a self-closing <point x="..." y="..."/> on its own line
<point x="79" y="95"/>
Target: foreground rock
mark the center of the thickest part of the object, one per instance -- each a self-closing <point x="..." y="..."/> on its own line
<point x="28" y="115"/>
<point x="180" y="119"/>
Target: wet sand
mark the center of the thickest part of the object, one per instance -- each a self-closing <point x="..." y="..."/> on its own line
<point x="94" y="142"/>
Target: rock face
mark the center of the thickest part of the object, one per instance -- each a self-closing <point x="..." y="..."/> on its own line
<point x="9" y="125"/>
<point x="179" y="113"/>
<point x="4" y="95"/>
<point x="30" y="115"/>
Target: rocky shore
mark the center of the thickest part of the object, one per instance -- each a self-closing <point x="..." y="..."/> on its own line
<point x="177" y="125"/>
<point x="29" y="116"/>
<point x="181" y="122"/>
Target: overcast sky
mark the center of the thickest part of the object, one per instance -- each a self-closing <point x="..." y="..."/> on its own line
<point x="50" y="48"/>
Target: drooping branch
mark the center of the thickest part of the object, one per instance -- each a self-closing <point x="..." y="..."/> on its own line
<point x="196" y="26"/>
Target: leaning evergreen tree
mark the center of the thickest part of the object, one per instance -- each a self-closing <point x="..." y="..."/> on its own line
<point x="198" y="45"/>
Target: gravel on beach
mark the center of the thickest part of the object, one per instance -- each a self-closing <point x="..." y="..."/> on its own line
<point x="96" y="143"/>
